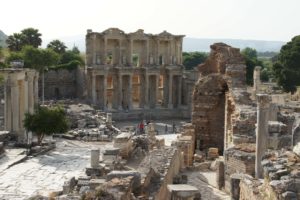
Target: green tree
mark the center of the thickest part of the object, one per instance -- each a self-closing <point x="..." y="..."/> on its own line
<point x="39" y="59"/>
<point x="287" y="67"/>
<point x="15" y="42"/>
<point x="70" y="56"/>
<point x="31" y="37"/>
<point x="250" y="56"/>
<point x="75" y="50"/>
<point x="57" y="46"/>
<point x="192" y="59"/>
<point x="46" y="121"/>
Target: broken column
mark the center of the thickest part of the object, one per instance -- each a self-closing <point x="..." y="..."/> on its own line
<point x="109" y="119"/>
<point x="263" y="103"/>
<point x="95" y="153"/>
<point x="256" y="80"/>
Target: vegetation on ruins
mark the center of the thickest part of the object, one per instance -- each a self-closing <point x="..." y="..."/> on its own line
<point x="287" y="68"/>
<point x="193" y="59"/>
<point x="28" y="36"/>
<point x="46" y="121"/>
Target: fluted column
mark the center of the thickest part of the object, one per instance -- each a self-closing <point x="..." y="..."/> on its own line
<point x="263" y="103"/>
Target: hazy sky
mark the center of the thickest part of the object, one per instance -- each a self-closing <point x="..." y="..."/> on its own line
<point x="238" y="19"/>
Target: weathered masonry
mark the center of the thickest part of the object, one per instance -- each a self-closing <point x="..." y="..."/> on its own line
<point x="21" y="95"/>
<point x="135" y="70"/>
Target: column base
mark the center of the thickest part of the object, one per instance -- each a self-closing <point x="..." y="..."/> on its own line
<point x="170" y="106"/>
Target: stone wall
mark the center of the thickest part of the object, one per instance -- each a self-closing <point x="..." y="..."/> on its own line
<point x="240" y="161"/>
<point x="63" y="83"/>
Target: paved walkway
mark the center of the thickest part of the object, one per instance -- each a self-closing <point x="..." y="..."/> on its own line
<point x="46" y="173"/>
<point x="10" y="157"/>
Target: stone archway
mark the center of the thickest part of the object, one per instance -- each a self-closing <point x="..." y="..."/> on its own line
<point x="208" y="114"/>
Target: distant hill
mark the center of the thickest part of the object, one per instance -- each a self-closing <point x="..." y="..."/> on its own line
<point x="189" y="44"/>
<point x="3" y="38"/>
<point x="197" y="44"/>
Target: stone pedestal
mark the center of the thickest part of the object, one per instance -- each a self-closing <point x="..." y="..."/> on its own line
<point x="109" y="119"/>
<point x="95" y="153"/>
<point x="261" y="131"/>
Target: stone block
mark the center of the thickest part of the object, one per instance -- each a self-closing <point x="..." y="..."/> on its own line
<point x="288" y="195"/>
<point x="94" y="183"/>
<point x="123" y="174"/>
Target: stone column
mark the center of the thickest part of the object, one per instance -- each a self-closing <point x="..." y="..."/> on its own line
<point x="26" y="99"/>
<point x="8" y="106"/>
<point x="15" y="105"/>
<point x="157" y="52"/>
<point x="94" y="97"/>
<point x="36" y="89"/>
<point x="142" y="91"/>
<point x="129" y="95"/>
<point x="146" y="104"/>
<point x="30" y="94"/>
<point x="115" y="100"/>
<point x="170" y="104"/>
<point x="256" y="81"/>
<point x="104" y="92"/>
<point x="179" y="91"/>
<point x="95" y="153"/>
<point x="104" y="52"/>
<point x="120" y="98"/>
<point x="147" y="53"/>
<point x="120" y="53"/>
<point x="157" y="90"/>
<point x="261" y="131"/>
<point x="94" y="49"/>
<point x="130" y="51"/>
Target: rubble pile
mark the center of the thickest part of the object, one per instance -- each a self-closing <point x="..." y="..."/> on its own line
<point x="282" y="171"/>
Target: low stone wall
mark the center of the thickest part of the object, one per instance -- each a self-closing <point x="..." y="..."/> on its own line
<point x="62" y="84"/>
<point x="238" y="161"/>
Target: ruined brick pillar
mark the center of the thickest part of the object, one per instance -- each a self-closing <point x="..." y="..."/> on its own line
<point x="263" y="103"/>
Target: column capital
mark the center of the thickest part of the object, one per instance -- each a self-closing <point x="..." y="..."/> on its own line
<point x="263" y="100"/>
<point x="257" y="68"/>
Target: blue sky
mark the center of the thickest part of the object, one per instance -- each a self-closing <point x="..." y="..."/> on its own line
<point x="237" y="19"/>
